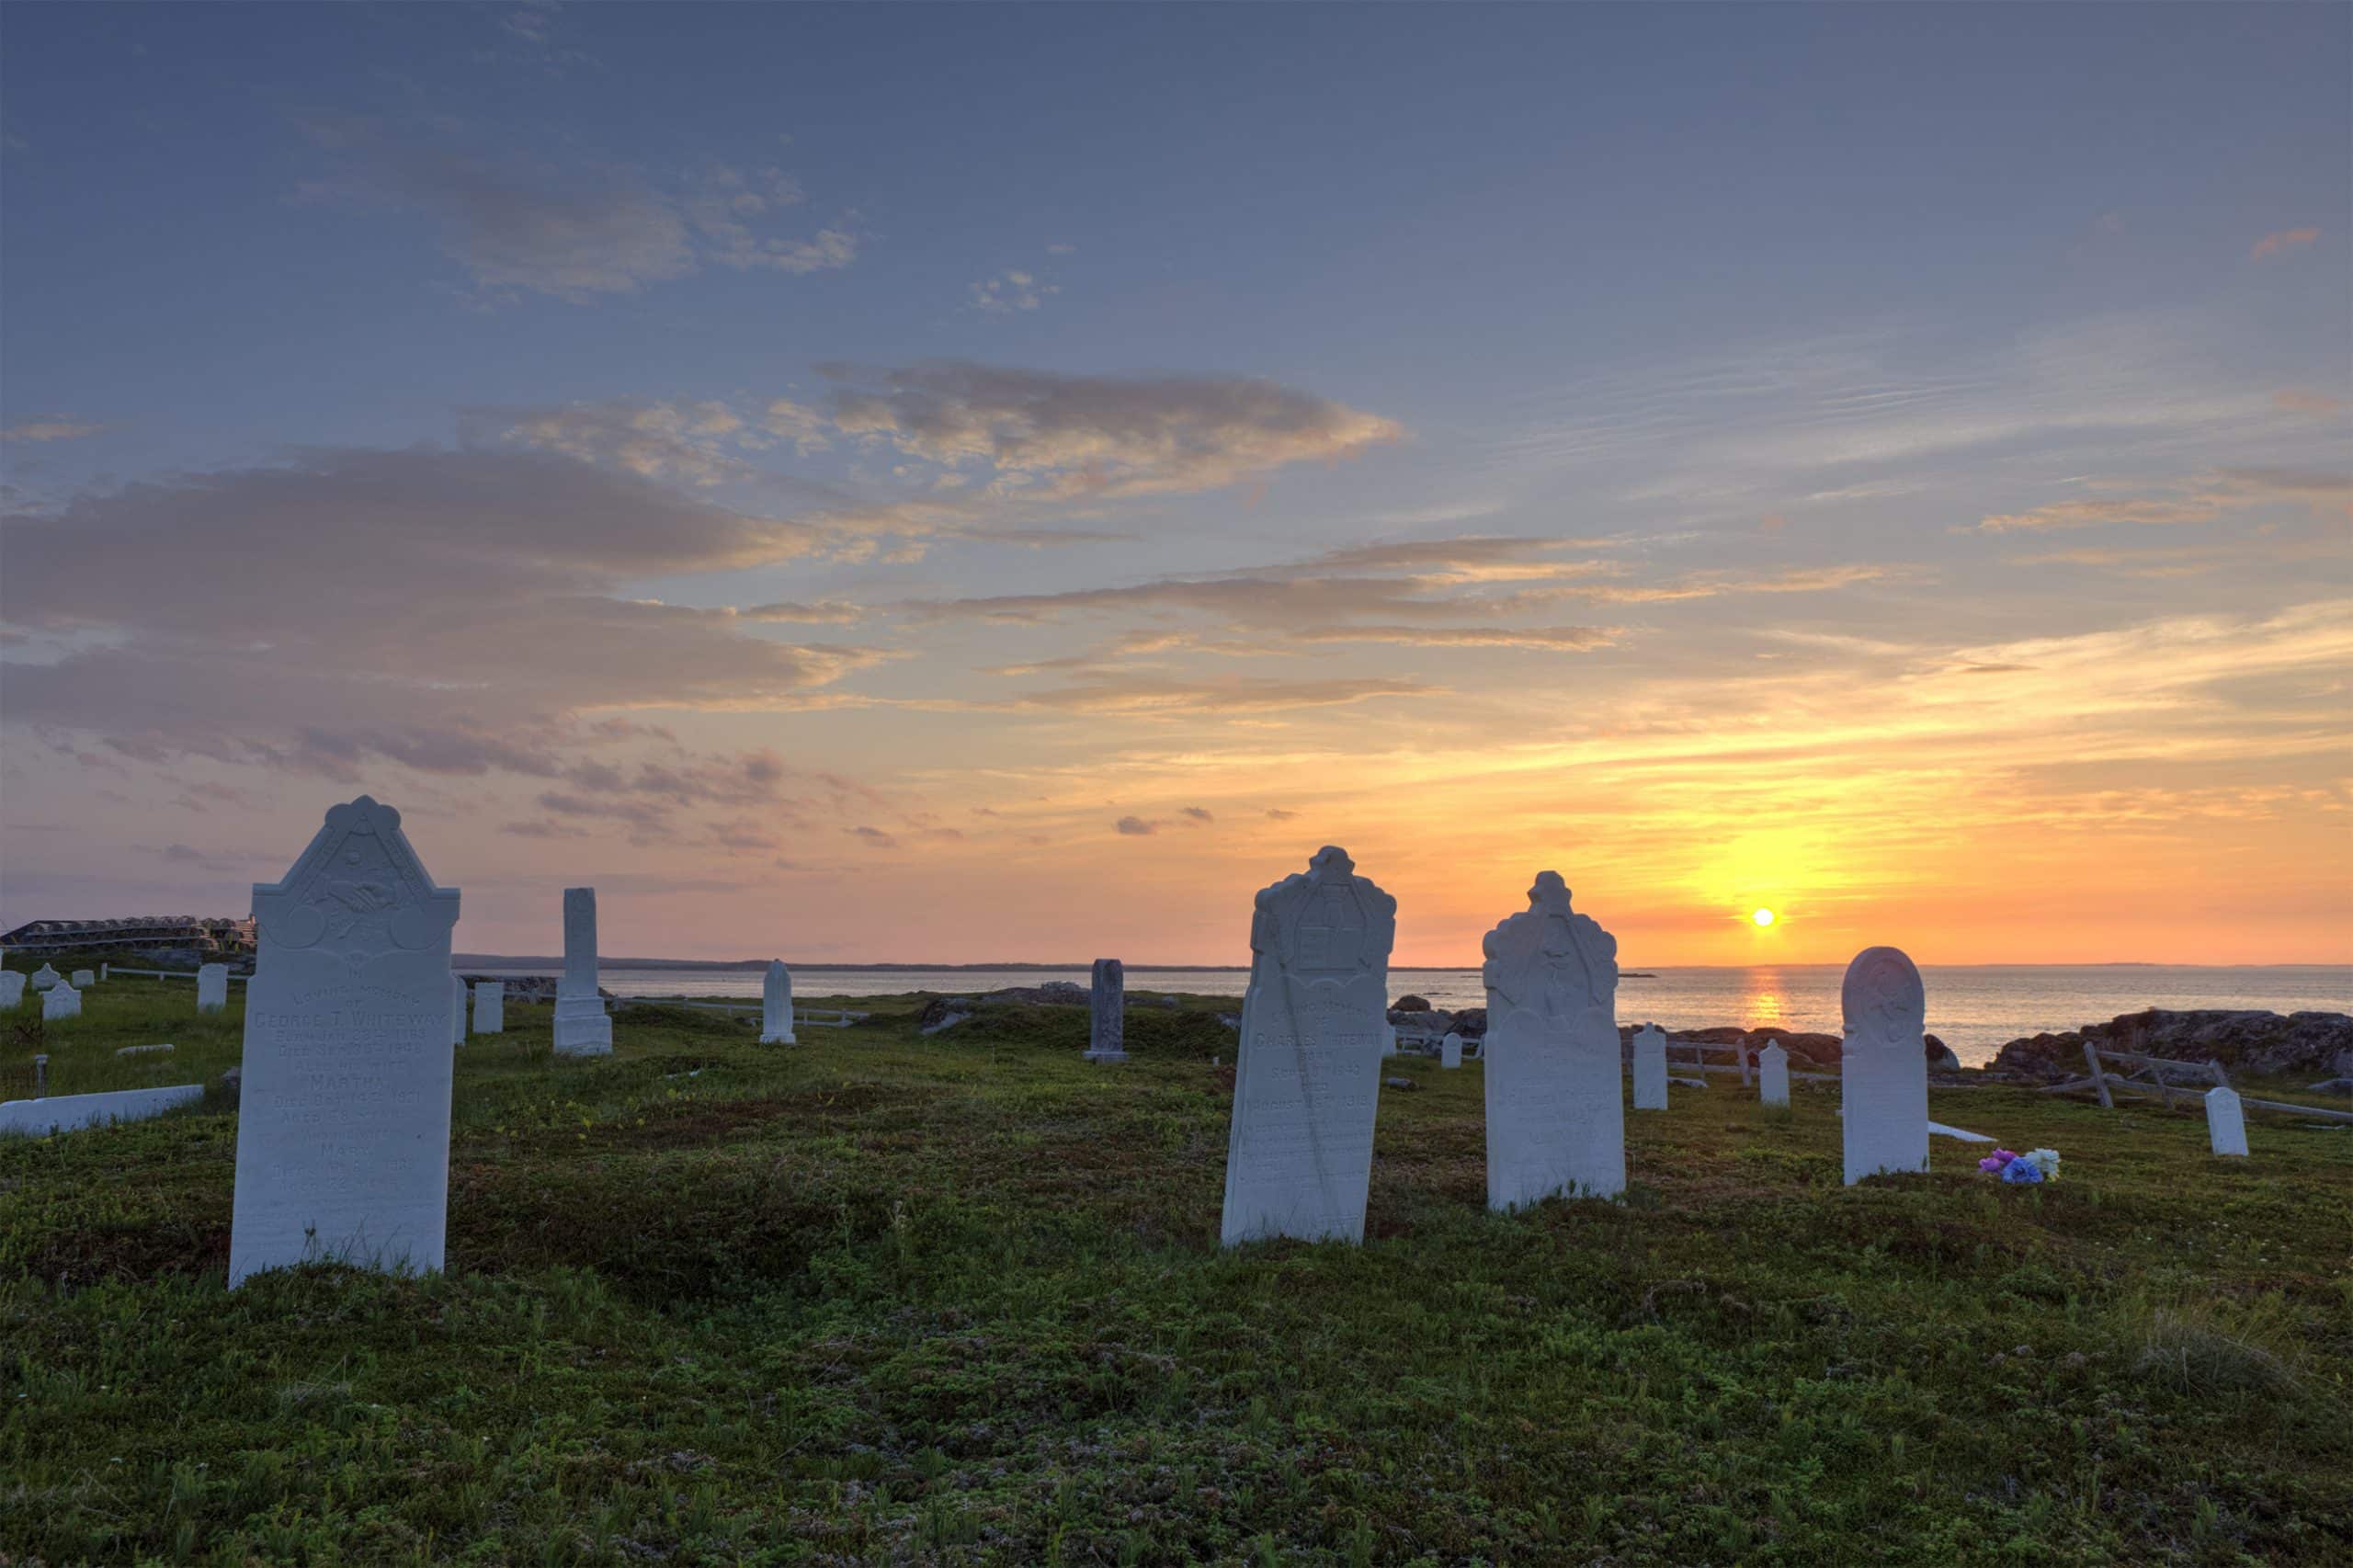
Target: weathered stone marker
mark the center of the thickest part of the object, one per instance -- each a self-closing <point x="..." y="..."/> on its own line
<point x="60" y="1001"/>
<point x="582" y="1026"/>
<point x="457" y="1009"/>
<point x="489" y="1007"/>
<point x="1649" y="1068"/>
<point x="84" y="979"/>
<point x="1449" y="1050"/>
<point x="1307" y="1083"/>
<point x="1773" y="1074"/>
<point x="1106" y="1025"/>
<point x="12" y="988"/>
<point x="2225" y="1121"/>
<point x="44" y="977"/>
<point x="212" y="988"/>
<point x="1883" y="1065"/>
<point x="343" y="1127"/>
<point x="776" y="1005"/>
<point x="1556" y="1115"/>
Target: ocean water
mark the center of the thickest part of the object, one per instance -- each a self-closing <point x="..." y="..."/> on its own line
<point x="1974" y="1009"/>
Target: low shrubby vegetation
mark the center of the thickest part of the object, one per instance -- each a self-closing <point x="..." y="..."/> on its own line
<point x="881" y="1298"/>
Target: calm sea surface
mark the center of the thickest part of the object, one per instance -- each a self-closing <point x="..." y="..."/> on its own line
<point x="1975" y="1009"/>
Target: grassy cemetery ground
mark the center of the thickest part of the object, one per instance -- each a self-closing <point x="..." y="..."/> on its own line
<point x="881" y="1299"/>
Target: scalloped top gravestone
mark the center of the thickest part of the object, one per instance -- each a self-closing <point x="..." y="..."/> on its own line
<point x="1307" y="1083"/>
<point x="1556" y="1116"/>
<point x="212" y="988"/>
<point x="2225" y="1121"/>
<point x="44" y="977"/>
<point x="583" y="1028"/>
<point x="12" y="988"/>
<point x="1107" y="1024"/>
<point x="1883" y="1065"/>
<point x="1649" y="1068"/>
<point x="1773" y="1074"/>
<point x="776" y="1005"/>
<point x="60" y="1001"/>
<point x="489" y="1007"/>
<point x="342" y="1125"/>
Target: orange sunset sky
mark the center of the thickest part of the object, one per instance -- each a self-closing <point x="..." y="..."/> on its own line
<point x="1009" y="489"/>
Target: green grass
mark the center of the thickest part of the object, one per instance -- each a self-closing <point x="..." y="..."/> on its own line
<point x="877" y="1299"/>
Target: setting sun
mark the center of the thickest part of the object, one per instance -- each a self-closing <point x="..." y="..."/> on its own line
<point x="1763" y="917"/>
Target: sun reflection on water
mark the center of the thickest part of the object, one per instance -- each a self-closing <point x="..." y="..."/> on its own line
<point x="1765" y="1000"/>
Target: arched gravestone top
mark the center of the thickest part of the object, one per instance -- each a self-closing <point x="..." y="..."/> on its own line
<point x="1556" y="1120"/>
<point x="1883" y="1065"/>
<point x="343" y="1130"/>
<point x="1299" y="1154"/>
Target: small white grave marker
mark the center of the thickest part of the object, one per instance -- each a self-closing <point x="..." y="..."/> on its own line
<point x="12" y="988"/>
<point x="59" y="1002"/>
<point x="2225" y="1121"/>
<point x="212" y="988"/>
<point x="1299" y="1154"/>
<point x="84" y="979"/>
<point x="44" y="977"/>
<point x="1773" y="1074"/>
<point x="583" y="1028"/>
<point x="343" y="1131"/>
<point x="776" y="1005"/>
<point x="1649" y="1068"/>
<point x="489" y="1007"/>
<point x="1449" y="1050"/>
<point x="1883" y="1065"/>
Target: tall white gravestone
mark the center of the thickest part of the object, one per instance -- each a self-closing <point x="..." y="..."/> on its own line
<point x="1106" y="1010"/>
<point x="1556" y="1113"/>
<point x="776" y="1005"/>
<point x="1883" y="1065"/>
<point x="457" y="1010"/>
<point x="1307" y="1082"/>
<point x="582" y="1026"/>
<point x="212" y="988"/>
<point x="60" y="1001"/>
<point x="1649" y="1068"/>
<point x="1773" y="1074"/>
<point x="343" y="1129"/>
<point x="2225" y="1121"/>
<point x="12" y="988"/>
<point x="489" y="1007"/>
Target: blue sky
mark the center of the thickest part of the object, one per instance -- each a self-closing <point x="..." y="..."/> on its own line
<point x="1935" y="330"/>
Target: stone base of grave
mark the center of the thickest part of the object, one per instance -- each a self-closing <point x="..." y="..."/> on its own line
<point x="583" y="1028"/>
<point x="1106" y="1056"/>
<point x="784" y="1038"/>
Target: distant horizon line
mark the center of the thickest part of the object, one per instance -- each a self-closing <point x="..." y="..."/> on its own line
<point x="1082" y="966"/>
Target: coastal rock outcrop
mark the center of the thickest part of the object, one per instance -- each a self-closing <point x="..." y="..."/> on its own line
<point x="2248" y="1042"/>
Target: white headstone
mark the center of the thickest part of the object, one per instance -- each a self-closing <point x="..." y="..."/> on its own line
<point x="84" y="979"/>
<point x="1307" y="1083"/>
<point x="1773" y="1074"/>
<point x="1649" y="1068"/>
<point x="12" y="988"/>
<point x="776" y="1005"/>
<point x="60" y="1001"/>
<point x="343" y="1126"/>
<point x="44" y="977"/>
<point x="2225" y="1121"/>
<point x="457" y="1010"/>
<point x="1883" y="1065"/>
<point x="1556" y="1111"/>
<point x="212" y="988"/>
<point x="489" y="1007"/>
<point x="103" y="971"/>
<point x="1449" y="1050"/>
<point x="1387" y="1038"/>
<point x="582" y="1026"/>
<point x="1106" y="1028"/>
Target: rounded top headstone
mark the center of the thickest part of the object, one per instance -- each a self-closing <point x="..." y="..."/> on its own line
<point x="1882" y="997"/>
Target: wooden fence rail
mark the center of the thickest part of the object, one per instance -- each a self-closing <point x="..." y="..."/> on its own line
<point x="2155" y="1086"/>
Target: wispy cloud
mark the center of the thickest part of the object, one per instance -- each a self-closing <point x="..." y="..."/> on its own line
<point x="1008" y="292"/>
<point x="2200" y="498"/>
<point x="51" y="429"/>
<point x="2279" y="242"/>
